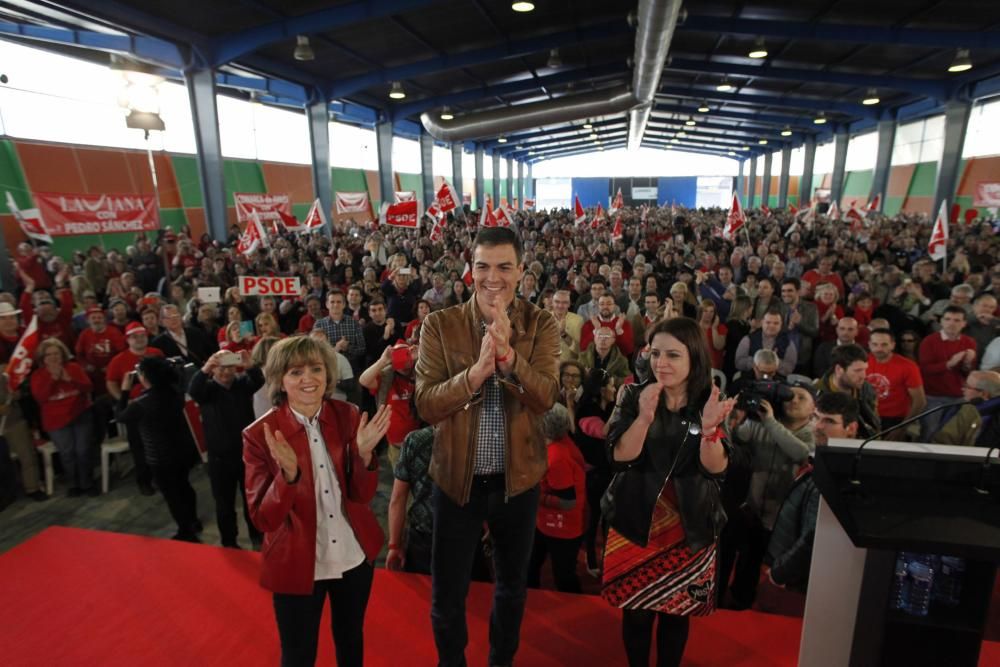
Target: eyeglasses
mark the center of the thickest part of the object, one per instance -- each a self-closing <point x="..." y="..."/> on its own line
<point x="971" y="388"/>
<point x="909" y="340"/>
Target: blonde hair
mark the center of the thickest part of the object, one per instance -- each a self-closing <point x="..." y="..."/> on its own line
<point x="44" y="346"/>
<point x="260" y="351"/>
<point x="297" y="351"/>
<point x="230" y="328"/>
<point x="264" y="317"/>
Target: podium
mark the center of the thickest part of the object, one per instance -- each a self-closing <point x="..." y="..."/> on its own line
<point x="896" y="496"/>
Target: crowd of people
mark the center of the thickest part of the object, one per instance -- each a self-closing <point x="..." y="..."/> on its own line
<point x="533" y="388"/>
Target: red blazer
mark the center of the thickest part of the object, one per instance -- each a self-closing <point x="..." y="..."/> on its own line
<point x="286" y="513"/>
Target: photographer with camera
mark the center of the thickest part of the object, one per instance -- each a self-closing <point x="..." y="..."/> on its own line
<point x="158" y="416"/>
<point x="225" y="398"/>
<point x="772" y="423"/>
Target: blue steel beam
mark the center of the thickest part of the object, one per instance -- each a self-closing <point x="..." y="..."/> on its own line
<point x="858" y="110"/>
<point x="708" y="145"/>
<point x="460" y="97"/>
<point x="514" y="49"/>
<point x="148" y="49"/>
<point x="572" y="129"/>
<point x="237" y="44"/>
<point x="840" y="32"/>
<point x="795" y="122"/>
<point x="921" y="87"/>
<point x="693" y="149"/>
<point x="708" y="127"/>
<point x="555" y="153"/>
<point x="517" y="153"/>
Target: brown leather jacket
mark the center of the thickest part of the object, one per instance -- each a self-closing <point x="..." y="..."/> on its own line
<point x="449" y="345"/>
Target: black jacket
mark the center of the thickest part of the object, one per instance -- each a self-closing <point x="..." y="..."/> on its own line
<point x="225" y="412"/>
<point x="199" y="346"/>
<point x="629" y="502"/>
<point x="159" y="415"/>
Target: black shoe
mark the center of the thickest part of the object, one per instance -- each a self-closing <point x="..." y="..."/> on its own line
<point x="93" y="492"/>
<point x="232" y="545"/>
<point x="74" y="492"/>
<point x="39" y="496"/>
<point x="196" y="527"/>
<point x="146" y="489"/>
<point x="6" y="502"/>
<point x="186" y="537"/>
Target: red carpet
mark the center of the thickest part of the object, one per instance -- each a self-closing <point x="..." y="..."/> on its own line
<point x="80" y="597"/>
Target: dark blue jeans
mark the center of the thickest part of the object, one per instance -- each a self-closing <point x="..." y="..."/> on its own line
<point x="457" y="531"/>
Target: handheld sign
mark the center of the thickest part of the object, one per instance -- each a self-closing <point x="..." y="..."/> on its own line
<point x="269" y="286"/>
<point x="209" y="294"/>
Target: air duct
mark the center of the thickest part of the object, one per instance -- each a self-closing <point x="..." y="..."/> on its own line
<point x="656" y="21"/>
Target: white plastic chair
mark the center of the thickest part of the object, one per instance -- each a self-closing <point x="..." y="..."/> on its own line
<point x="48" y="450"/>
<point x="719" y="378"/>
<point x="115" y="446"/>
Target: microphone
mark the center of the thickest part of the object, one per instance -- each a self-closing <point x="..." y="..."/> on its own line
<point x="906" y="422"/>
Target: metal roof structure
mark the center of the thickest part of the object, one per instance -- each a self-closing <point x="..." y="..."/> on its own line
<point x="823" y="57"/>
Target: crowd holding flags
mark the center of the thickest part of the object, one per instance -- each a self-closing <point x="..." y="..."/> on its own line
<point x="617" y="204"/>
<point x="253" y="237"/>
<point x="735" y="220"/>
<point x="30" y="221"/>
<point x="937" y="247"/>
<point x="579" y="215"/>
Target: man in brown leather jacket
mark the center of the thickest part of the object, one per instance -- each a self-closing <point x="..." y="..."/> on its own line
<point x="487" y="372"/>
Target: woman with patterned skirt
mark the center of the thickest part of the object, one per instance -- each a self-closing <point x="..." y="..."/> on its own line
<point x="663" y="509"/>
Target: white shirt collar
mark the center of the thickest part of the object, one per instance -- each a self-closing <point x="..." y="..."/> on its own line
<point x="302" y="419"/>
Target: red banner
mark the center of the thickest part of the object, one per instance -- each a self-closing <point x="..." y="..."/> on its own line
<point x="19" y="366"/>
<point x="352" y="202"/>
<point x="66" y="214"/>
<point x="267" y="206"/>
<point x="987" y="194"/>
<point x="403" y="214"/>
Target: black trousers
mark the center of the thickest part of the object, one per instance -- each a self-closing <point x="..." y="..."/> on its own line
<point x="172" y="480"/>
<point x="298" y="619"/>
<point x="597" y="484"/>
<point x="744" y="588"/>
<point x="226" y="474"/>
<point x="563" y="552"/>
<point x="418" y="552"/>
<point x="143" y="474"/>
<point x="637" y="634"/>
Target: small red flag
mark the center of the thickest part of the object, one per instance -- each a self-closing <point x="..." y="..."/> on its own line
<point x="579" y="213"/>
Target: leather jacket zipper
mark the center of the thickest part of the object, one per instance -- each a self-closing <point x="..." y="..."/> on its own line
<point x="473" y="431"/>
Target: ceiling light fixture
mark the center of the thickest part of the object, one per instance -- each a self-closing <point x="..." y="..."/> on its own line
<point x="593" y="135"/>
<point x="820" y="119"/>
<point x="554" y="60"/>
<point x="446" y="114"/>
<point x="787" y="132"/>
<point x="397" y="92"/>
<point x="522" y="7"/>
<point x="762" y="142"/>
<point x="724" y="86"/>
<point x="744" y="148"/>
<point x="961" y="63"/>
<point x="690" y="122"/>
<point x="732" y="153"/>
<point x="681" y="135"/>
<point x="501" y="140"/>
<point x="758" y="50"/>
<point x="303" y="50"/>
<point x="587" y="125"/>
<point x="871" y="98"/>
<point x="704" y="108"/>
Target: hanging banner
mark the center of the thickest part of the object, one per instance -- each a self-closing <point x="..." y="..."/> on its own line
<point x="403" y="214"/>
<point x="268" y="207"/>
<point x="406" y="195"/>
<point x="987" y="194"/>
<point x="352" y="202"/>
<point x="71" y="214"/>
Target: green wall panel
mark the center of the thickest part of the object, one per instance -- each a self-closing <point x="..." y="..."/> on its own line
<point x="300" y="211"/>
<point x="922" y="183"/>
<point x="893" y="205"/>
<point x="348" y="180"/>
<point x="412" y="182"/>
<point x="242" y="176"/>
<point x="793" y="199"/>
<point x="188" y="180"/>
<point x="488" y="189"/>
<point x="858" y="184"/>
<point x="174" y="218"/>
<point x="12" y="178"/>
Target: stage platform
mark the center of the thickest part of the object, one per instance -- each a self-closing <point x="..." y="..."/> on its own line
<point x="82" y="597"/>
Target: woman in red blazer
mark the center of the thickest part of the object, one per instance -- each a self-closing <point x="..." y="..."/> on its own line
<point x="310" y="474"/>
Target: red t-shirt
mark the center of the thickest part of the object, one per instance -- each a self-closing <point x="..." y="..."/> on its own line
<point x="813" y="277"/>
<point x="717" y="356"/>
<point x="401" y="418"/>
<point x="566" y="470"/>
<point x="96" y="350"/>
<point x="61" y="401"/>
<point x="892" y="382"/>
<point x="124" y="362"/>
<point x="306" y="323"/>
<point x="934" y="354"/>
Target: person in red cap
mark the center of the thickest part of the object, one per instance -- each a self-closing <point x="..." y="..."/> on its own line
<point x="123" y="363"/>
<point x="55" y="319"/>
<point x="391" y="381"/>
<point x="96" y="346"/>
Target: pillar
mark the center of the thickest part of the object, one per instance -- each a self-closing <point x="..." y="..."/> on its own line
<point x="883" y="160"/>
<point x="427" y="168"/>
<point x="205" y="117"/>
<point x="383" y="142"/>
<point x="808" y="164"/>
<point x="786" y="160"/>
<point x="841" y="139"/>
<point x="480" y="183"/>
<point x="319" y="145"/>
<point x="956" y="122"/>
<point x="765" y="183"/>
<point x="753" y="182"/>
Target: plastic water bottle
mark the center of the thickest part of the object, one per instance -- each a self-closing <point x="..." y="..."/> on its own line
<point x="899" y="598"/>
<point x="921" y="582"/>
<point x="948" y="581"/>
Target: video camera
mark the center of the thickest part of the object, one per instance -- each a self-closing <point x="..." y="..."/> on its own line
<point x="773" y="391"/>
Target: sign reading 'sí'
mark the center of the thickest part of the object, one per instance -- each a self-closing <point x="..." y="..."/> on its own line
<point x="66" y="214"/>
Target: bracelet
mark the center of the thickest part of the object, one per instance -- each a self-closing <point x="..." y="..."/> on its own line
<point x="504" y="359"/>
<point x="393" y="546"/>
<point x="713" y="436"/>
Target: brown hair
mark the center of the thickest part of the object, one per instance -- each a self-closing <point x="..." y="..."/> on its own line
<point x="297" y="351"/>
<point x="690" y="335"/>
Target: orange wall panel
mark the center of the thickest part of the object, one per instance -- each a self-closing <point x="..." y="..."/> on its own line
<point x="138" y="163"/>
<point x="793" y="186"/>
<point x="12" y="234"/>
<point x="918" y="205"/>
<point x="374" y="187"/>
<point x="899" y="180"/>
<point x="104" y="171"/>
<point x="196" y="219"/>
<point x="292" y="179"/>
<point x="49" y="168"/>
<point x="978" y="170"/>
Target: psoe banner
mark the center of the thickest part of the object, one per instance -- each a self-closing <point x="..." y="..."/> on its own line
<point x="269" y="286"/>
<point x="66" y="214"/>
<point x="266" y="206"/>
<point x="987" y="194"/>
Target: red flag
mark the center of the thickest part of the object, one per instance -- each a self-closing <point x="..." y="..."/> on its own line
<point x="447" y="199"/>
<point x="529" y="204"/>
<point x="599" y="213"/>
<point x="793" y="209"/>
<point x="970" y="215"/>
<point x="30" y="221"/>
<point x="645" y="212"/>
<point x="19" y="365"/>
<point x="874" y="204"/>
<point x="487" y="218"/>
<point x="467" y="275"/>
<point x="489" y="202"/>
<point x="956" y="209"/>
<point x="315" y="219"/>
<point x="937" y="247"/>
<point x="253" y="236"/>
<point x="833" y="212"/>
<point x="437" y="228"/>
<point x="857" y="220"/>
<point x="766" y="209"/>
<point x="580" y="216"/>
<point x="616" y="232"/>
<point x="735" y="220"/>
<point x="618" y="203"/>
<point x="402" y="214"/>
<point x="503" y="217"/>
